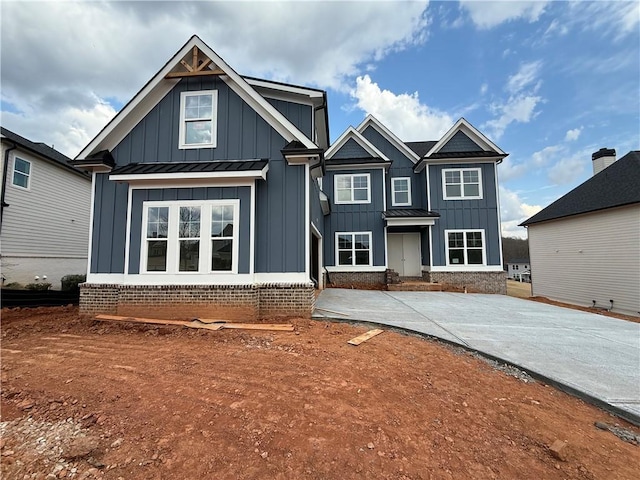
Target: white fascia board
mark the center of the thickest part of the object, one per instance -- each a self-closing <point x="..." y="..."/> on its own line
<point x="472" y="132"/>
<point x="142" y="177"/>
<point x="357" y="166"/>
<point x="411" y="221"/>
<point x="352" y="133"/>
<point x="300" y="158"/>
<point x="149" y="96"/>
<point x="389" y="135"/>
<point x="295" y="89"/>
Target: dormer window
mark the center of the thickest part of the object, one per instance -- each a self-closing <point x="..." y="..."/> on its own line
<point x="198" y="119"/>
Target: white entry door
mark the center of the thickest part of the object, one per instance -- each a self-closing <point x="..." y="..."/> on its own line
<point x="404" y="254"/>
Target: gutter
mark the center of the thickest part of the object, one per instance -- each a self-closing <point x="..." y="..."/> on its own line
<point x="4" y="182"/>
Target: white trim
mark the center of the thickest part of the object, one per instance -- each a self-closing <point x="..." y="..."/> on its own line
<point x="191" y="279"/>
<point x="384" y="190"/>
<point x="386" y="247"/>
<point x="495" y="169"/>
<point x="295" y="89"/>
<point x="355" y="268"/>
<point x="182" y="144"/>
<point x="472" y="132"/>
<point x="91" y="213"/>
<point x="465" y="266"/>
<point x="28" y="175"/>
<point x="357" y="166"/>
<point x="252" y="229"/>
<point x="430" y="247"/>
<point x="145" y="177"/>
<point x="281" y="277"/>
<point x="391" y="138"/>
<point x="409" y="221"/>
<point x="307" y="223"/>
<point x="191" y="183"/>
<point x="352" y="175"/>
<point x="127" y="240"/>
<point x="462" y="195"/>
<point x="449" y="161"/>
<point x="353" y="249"/>
<point x="173" y="240"/>
<point x="428" y="180"/>
<point x="148" y="97"/>
<point x="393" y="192"/>
<point x="316" y="233"/>
<point x="352" y="133"/>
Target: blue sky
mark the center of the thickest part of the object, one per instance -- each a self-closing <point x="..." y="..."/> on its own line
<point x="549" y="82"/>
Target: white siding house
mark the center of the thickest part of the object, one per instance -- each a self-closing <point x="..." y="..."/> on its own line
<point x="45" y="213"/>
<point x="585" y="247"/>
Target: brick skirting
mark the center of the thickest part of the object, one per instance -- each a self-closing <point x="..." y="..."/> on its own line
<point x="230" y="302"/>
<point x="337" y="279"/>
<point x="482" y="282"/>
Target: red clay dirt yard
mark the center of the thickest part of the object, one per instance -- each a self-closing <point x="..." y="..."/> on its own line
<point x="85" y="399"/>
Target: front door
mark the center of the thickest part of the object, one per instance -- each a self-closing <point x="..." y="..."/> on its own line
<point x="404" y="254"/>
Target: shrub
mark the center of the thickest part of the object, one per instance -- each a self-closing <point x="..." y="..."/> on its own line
<point x="14" y="286"/>
<point x="38" y="286"/>
<point x="71" y="282"/>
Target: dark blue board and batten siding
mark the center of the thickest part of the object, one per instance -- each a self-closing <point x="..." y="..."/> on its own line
<point x="401" y="166"/>
<point x="355" y="217"/>
<point x="465" y="214"/>
<point x="241" y="134"/>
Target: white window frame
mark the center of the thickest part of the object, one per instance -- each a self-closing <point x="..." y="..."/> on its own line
<point x="214" y="119"/>
<point x="351" y="176"/>
<point x="394" y="203"/>
<point x="353" y="256"/>
<point x="28" y="175"/>
<point x="466" y="263"/>
<point x="462" y="195"/>
<point x="173" y="241"/>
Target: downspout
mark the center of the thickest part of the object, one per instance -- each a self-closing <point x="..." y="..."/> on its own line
<point x="4" y="182"/>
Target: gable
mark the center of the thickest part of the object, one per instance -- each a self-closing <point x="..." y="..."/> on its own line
<point x="460" y="142"/>
<point x="351" y="149"/>
<point x="194" y="60"/>
<point x="374" y="136"/>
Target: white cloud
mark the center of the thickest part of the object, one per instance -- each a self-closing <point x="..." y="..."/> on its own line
<point x="513" y="211"/>
<point x="487" y="15"/>
<point x="609" y="19"/>
<point x="573" y="134"/>
<point x="520" y="108"/>
<point x="484" y="88"/>
<point x="66" y="61"/>
<point x="568" y="169"/>
<point x="402" y="113"/>
<point x="526" y="75"/>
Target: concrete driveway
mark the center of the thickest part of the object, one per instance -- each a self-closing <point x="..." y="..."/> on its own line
<point x="594" y="355"/>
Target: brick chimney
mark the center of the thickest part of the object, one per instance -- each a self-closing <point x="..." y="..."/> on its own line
<point x="602" y="159"/>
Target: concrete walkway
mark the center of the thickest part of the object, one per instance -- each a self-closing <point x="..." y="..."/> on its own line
<point x="594" y="355"/>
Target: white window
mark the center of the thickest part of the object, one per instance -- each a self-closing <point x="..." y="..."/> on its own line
<point x="462" y="183"/>
<point x="198" y="119"/>
<point x="21" y="173"/>
<point x="352" y="188"/>
<point x="465" y="247"/>
<point x="190" y="237"/>
<point x="353" y="248"/>
<point x="401" y="192"/>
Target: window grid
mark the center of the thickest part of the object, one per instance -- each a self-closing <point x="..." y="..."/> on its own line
<point x="401" y="191"/>
<point x="462" y="184"/>
<point x="198" y="119"/>
<point x="352" y="188"/>
<point x="21" y="173"/>
<point x="353" y="248"/>
<point x="465" y="247"/>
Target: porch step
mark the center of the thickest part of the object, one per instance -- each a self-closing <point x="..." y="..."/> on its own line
<point x="415" y="286"/>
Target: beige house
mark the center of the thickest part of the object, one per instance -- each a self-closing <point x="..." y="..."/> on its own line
<point x="585" y="247"/>
<point x="44" y="225"/>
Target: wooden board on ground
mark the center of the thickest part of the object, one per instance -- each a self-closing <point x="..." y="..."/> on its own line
<point x="365" y="336"/>
<point x="206" y="324"/>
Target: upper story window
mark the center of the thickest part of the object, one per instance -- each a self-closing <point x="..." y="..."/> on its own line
<point x="198" y="119"/>
<point x="190" y="237"/>
<point x="353" y="188"/>
<point x="462" y="183"/>
<point x="401" y="192"/>
<point x="21" y="173"/>
<point x="465" y="247"/>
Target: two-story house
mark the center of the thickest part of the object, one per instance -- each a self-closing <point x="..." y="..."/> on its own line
<point x="44" y="221"/>
<point x="211" y="197"/>
<point x="422" y="209"/>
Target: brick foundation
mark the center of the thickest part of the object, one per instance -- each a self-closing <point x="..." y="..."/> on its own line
<point x="356" y="278"/>
<point x="482" y="282"/>
<point x="229" y="302"/>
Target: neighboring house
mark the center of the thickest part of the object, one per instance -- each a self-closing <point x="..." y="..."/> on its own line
<point x="205" y="200"/>
<point x="585" y="246"/>
<point x="421" y="209"/>
<point x="519" y="269"/>
<point x="208" y="199"/>
<point x="45" y="213"/>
